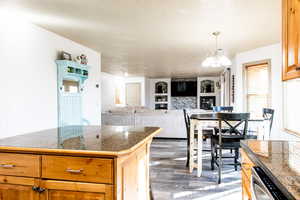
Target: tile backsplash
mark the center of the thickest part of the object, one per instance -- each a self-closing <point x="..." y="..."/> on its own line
<point x="184" y="102"/>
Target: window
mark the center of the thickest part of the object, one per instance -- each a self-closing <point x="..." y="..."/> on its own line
<point x="257" y="80"/>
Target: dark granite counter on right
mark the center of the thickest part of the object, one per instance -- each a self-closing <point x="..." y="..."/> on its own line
<point x="280" y="160"/>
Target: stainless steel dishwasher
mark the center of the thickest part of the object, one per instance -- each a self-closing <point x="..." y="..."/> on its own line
<point x="262" y="187"/>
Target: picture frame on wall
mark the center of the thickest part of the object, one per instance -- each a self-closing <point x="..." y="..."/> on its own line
<point x="66" y="56"/>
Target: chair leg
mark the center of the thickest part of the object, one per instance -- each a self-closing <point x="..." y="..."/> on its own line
<point x="151" y="193"/>
<point x="236" y="156"/>
<point x="188" y="155"/>
<point x="212" y="163"/>
<point x="220" y="166"/>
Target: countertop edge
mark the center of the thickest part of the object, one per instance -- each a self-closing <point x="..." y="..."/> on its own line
<point x="27" y="150"/>
<point x="257" y="162"/>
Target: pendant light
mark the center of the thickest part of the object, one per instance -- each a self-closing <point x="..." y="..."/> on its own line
<point x="218" y="59"/>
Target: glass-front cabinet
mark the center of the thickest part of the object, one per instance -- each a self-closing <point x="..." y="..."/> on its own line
<point x="161" y="87"/>
<point x="207" y="86"/>
<point x="160" y="93"/>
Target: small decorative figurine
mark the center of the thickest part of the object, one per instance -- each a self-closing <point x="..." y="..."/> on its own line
<point x="77" y="59"/>
<point x="84" y="59"/>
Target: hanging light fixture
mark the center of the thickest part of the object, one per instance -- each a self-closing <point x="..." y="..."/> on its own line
<point x="218" y="59"/>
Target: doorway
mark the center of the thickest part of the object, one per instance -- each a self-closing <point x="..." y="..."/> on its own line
<point x="133" y="94"/>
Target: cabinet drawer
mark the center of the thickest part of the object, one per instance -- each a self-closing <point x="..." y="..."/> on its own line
<point x="97" y="170"/>
<point x="19" y="165"/>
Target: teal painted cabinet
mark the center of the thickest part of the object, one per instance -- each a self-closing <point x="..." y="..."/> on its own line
<point x="70" y="85"/>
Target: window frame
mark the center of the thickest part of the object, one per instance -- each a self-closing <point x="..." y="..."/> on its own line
<point x="266" y="62"/>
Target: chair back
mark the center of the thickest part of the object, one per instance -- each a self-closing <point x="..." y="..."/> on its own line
<point x="223" y="109"/>
<point x="234" y="122"/>
<point x="268" y="115"/>
<point x="187" y="122"/>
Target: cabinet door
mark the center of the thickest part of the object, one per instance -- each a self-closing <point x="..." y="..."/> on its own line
<point x="18" y="188"/>
<point x="70" y="195"/>
<point x="291" y="39"/>
<point x="58" y="190"/>
<point x="17" y="192"/>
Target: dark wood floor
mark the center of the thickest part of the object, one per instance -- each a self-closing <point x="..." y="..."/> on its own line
<point x="171" y="179"/>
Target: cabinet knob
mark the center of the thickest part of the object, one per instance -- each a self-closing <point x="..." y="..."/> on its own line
<point x="38" y="189"/>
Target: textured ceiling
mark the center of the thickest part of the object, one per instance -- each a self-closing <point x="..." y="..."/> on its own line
<point x="157" y="38"/>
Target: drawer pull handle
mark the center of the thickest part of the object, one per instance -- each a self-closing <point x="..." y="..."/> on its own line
<point x="74" y="171"/>
<point x="7" y="166"/>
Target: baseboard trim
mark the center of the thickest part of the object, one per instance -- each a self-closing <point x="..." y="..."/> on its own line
<point x="168" y="138"/>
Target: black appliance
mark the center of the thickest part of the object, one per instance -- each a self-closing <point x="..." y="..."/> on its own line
<point x="184" y="88"/>
<point x="262" y="187"/>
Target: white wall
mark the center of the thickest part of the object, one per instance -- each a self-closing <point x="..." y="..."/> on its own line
<point x="109" y="84"/>
<point x="272" y="52"/>
<point x="28" y="81"/>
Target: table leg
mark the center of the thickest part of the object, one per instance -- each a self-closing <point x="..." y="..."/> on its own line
<point x="199" y="152"/>
<point x="192" y="131"/>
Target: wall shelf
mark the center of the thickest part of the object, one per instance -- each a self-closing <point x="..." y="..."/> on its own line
<point x="161" y="102"/>
<point x="73" y="69"/>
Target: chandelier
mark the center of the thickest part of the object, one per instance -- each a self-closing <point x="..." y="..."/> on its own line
<point x="218" y="59"/>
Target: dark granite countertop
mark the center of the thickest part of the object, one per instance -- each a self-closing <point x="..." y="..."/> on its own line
<point x="90" y="140"/>
<point x="281" y="162"/>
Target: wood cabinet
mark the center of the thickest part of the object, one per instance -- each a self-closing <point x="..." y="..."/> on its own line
<point x="97" y="170"/>
<point x="75" y="177"/>
<point x="17" y="192"/>
<point x="63" y="190"/>
<point x="20" y="165"/>
<point x="18" y="188"/>
<point x="291" y="39"/>
<point x="247" y="164"/>
<point x="133" y="173"/>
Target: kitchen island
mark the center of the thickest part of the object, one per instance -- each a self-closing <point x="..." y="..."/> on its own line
<point x="279" y="161"/>
<point x="77" y="163"/>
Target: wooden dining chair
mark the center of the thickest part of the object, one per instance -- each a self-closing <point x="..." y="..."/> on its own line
<point x="237" y="125"/>
<point x="223" y="109"/>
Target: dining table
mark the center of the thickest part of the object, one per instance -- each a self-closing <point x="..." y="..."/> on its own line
<point x="207" y="121"/>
